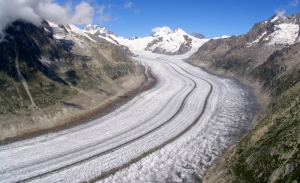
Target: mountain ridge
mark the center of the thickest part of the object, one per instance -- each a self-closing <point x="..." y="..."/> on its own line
<point x="163" y="40"/>
<point x="267" y="59"/>
<point x="52" y="73"/>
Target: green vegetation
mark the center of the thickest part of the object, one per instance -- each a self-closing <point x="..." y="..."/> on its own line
<point x="271" y="151"/>
<point x="64" y="72"/>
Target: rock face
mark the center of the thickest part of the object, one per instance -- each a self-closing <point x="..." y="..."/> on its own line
<point x="198" y="35"/>
<point x="185" y="47"/>
<point x="267" y="59"/>
<point x="44" y="71"/>
<point x="101" y="32"/>
<point x="240" y="54"/>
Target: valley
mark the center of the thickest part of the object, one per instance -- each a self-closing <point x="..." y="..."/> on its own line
<point x="87" y="105"/>
<point x="180" y="112"/>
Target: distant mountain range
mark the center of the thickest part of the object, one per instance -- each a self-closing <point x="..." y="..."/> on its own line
<point x="163" y="40"/>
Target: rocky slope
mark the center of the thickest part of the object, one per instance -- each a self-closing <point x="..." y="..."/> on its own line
<point x="267" y="59"/>
<point x="198" y="35"/>
<point x="52" y="72"/>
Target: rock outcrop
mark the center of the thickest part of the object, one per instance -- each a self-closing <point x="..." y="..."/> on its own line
<point x="198" y="35"/>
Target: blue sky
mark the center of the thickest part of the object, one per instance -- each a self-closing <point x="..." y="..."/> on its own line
<point x="209" y="17"/>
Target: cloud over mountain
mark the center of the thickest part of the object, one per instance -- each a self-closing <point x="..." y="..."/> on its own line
<point x="36" y="10"/>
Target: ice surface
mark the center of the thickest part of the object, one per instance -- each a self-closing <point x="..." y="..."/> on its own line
<point x="284" y="34"/>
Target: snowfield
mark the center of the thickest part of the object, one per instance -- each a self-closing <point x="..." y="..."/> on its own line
<point x="172" y="132"/>
<point x="285" y="34"/>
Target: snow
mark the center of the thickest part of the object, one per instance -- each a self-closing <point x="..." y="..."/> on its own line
<point x="76" y="30"/>
<point x="222" y="37"/>
<point x="257" y="40"/>
<point x="180" y="31"/>
<point x="92" y="29"/>
<point x="45" y="62"/>
<point x="58" y="33"/>
<point x="171" y="40"/>
<point x="136" y="44"/>
<point x="216" y="112"/>
<point x="274" y="19"/>
<point x="72" y="30"/>
<point x="163" y="31"/>
<point x="284" y="34"/>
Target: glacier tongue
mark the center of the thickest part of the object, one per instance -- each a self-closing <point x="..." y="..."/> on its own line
<point x="172" y="132"/>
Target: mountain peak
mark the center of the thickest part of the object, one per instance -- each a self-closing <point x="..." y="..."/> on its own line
<point x="91" y="27"/>
<point x="162" y="31"/>
<point x="96" y="30"/>
<point x="180" y="31"/>
<point x="198" y="35"/>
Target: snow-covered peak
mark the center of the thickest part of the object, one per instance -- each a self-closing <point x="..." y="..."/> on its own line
<point x="93" y="29"/>
<point x="284" y="34"/>
<point x="162" y="31"/>
<point x="180" y="31"/>
<point x="274" y="19"/>
<point x="67" y="31"/>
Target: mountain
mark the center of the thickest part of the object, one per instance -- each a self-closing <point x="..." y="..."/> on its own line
<point x="170" y="42"/>
<point x="96" y="30"/>
<point x="198" y="35"/>
<point x="105" y="34"/>
<point x="266" y="59"/>
<point x="52" y="72"/>
<point x="163" y="40"/>
<point x="252" y="48"/>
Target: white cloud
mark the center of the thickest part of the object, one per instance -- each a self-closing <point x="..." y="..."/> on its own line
<point x="83" y="14"/>
<point x="101" y="9"/>
<point x="36" y="10"/>
<point x="104" y="18"/>
<point x="155" y="29"/>
<point x="294" y="3"/>
<point x="137" y="11"/>
<point x="280" y="13"/>
<point x="104" y="13"/>
<point x="128" y="4"/>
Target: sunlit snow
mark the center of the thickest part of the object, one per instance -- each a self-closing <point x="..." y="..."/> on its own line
<point x="284" y="34"/>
